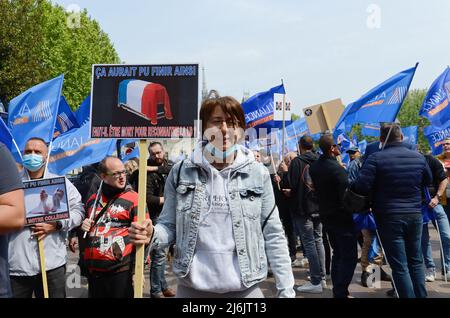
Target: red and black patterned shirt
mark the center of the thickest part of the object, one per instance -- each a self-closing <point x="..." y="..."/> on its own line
<point x="108" y="248"/>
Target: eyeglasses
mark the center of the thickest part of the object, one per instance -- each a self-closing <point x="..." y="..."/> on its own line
<point x="117" y="174"/>
<point x="218" y="122"/>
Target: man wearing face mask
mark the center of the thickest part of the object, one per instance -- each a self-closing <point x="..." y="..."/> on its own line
<point x="109" y="254"/>
<point x="24" y="266"/>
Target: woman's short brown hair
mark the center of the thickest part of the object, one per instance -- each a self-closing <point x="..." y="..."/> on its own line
<point x="229" y="106"/>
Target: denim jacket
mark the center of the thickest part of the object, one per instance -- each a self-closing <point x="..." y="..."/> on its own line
<point x="251" y="202"/>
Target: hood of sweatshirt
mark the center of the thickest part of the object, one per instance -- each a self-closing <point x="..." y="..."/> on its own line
<point x="309" y="157"/>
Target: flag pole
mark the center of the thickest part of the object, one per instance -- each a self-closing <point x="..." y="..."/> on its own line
<point x="139" y="266"/>
<point x="43" y="270"/>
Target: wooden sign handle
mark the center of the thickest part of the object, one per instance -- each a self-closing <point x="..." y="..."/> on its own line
<point x="44" y="273"/>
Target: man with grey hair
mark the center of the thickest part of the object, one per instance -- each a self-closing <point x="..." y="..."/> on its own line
<point x="395" y="178"/>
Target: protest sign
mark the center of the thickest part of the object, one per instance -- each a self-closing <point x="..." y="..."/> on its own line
<point x="46" y="200"/>
<point x="144" y="101"/>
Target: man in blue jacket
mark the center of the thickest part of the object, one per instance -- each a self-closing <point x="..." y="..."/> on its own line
<point x="395" y="177"/>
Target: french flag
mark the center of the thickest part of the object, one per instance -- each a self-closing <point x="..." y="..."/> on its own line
<point x="144" y="98"/>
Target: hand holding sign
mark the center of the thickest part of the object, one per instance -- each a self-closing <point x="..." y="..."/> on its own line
<point x="141" y="233"/>
<point x="41" y="230"/>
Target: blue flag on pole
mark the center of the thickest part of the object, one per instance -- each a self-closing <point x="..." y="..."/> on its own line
<point x="33" y="113"/>
<point x="259" y="110"/>
<point x="435" y="105"/>
<point x="65" y="120"/>
<point x="83" y="113"/>
<point x="380" y="104"/>
<point x="75" y="149"/>
<point x="436" y="137"/>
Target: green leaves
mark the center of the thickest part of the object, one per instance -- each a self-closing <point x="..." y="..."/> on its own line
<point x="38" y="42"/>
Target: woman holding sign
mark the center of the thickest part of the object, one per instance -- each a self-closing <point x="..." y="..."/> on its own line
<point x="224" y="219"/>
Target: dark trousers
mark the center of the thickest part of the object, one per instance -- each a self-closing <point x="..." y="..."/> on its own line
<point x="326" y="246"/>
<point x="345" y="256"/>
<point x="111" y="285"/>
<point x="288" y="225"/>
<point x="25" y="286"/>
<point x="400" y="236"/>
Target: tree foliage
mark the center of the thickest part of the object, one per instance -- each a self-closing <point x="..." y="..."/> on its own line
<point x="40" y="40"/>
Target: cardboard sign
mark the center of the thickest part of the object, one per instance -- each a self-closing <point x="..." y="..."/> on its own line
<point x="144" y="101"/>
<point x="46" y="200"/>
<point x="324" y="116"/>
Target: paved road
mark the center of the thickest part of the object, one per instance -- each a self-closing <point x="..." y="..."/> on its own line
<point x="437" y="289"/>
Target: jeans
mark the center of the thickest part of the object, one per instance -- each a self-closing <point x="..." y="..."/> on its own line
<point x="24" y="286"/>
<point x="344" y="259"/>
<point x="444" y="230"/>
<point x="311" y="234"/>
<point x="400" y="235"/>
<point x="157" y="267"/>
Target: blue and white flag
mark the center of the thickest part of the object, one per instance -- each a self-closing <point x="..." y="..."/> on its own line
<point x="259" y="110"/>
<point x="380" y="104"/>
<point x="436" y="137"/>
<point x="83" y="113"/>
<point x="435" y="105"/>
<point x="362" y="145"/>
<point x="75" y="149"/>
<point x="65" y="120"/>
<point x="294" y="132"/>
<point x="410" y="134"/>
<point x="33" y="113"/>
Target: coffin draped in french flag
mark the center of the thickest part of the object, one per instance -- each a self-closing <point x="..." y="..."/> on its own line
<point x="143" y="99"/>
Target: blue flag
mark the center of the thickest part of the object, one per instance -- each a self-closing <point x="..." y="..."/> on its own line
<point x="33" y="113"/>
<point x="380" y="104"/>
<point x="435" y="105"/>
<point x="362" y="145"/>
<point x="259" y="110"/>
<point x="371" y="129"/>
<point x="436" y="137"/>
<point x="293" y="133"/>
<point x="65" y="120"/>
<point x="75" y="149"/>
<point x="83" y="113"/>
<point x="133" y="154"/>
<point x="5" y="135"/>
<point x="410" y="134"/>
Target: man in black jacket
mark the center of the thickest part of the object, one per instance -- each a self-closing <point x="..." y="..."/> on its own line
<point x="305" y="215"/>
<point x="157" y="172"/>
<point x="330" y="181"/>
<point x="395" y="177"/>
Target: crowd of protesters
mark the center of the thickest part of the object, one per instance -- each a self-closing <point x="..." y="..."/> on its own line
<point x="230" y="216"/>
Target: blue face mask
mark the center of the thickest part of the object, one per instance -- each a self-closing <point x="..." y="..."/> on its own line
<point x="33" y="162"/>
<point x="217" y="153"/>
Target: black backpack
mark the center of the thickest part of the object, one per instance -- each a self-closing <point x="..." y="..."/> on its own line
<point x="310" y="199"/>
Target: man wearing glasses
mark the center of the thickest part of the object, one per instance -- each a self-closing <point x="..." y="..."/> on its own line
<point x="109" y="255"/>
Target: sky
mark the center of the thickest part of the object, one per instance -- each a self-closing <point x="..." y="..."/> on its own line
<point x="322" y="50"/>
